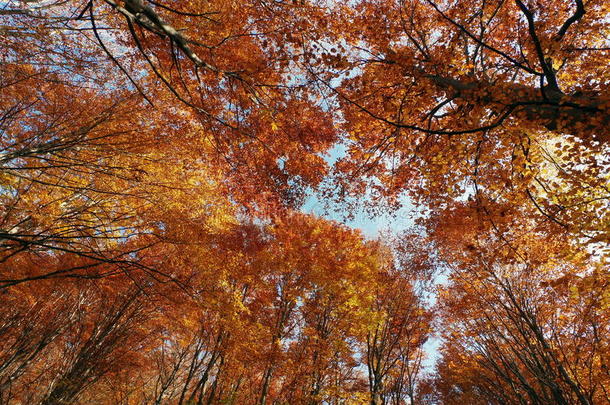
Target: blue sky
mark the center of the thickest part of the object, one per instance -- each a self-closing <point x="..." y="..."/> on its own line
<point x="371" y="226"/>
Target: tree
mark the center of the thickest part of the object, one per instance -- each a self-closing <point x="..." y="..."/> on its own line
<point x="225" y="65"/>
<point x="520" y="313"/>
<point x="83" y="172"/>
<point x="392" y="345"/>
<point x="272" y="312"/>
<point x="55" y="349"/>
<point x="498" y="100"/>
<point x="85" y="159"/>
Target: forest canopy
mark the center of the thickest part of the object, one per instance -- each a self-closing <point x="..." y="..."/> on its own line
<point x="155" y="158"/>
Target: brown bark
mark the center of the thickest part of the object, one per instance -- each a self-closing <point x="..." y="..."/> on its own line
<point x="583" y="115"/>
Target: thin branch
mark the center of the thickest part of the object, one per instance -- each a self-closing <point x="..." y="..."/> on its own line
<point x="578" y="14"/>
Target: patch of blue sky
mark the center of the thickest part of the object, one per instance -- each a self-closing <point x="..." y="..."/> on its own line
<point x="371" y="225"/>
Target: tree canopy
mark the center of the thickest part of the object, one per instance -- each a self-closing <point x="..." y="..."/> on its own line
<point x="155" y="157"/>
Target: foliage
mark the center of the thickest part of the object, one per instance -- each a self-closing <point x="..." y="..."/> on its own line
<point x="154" y="156"/>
